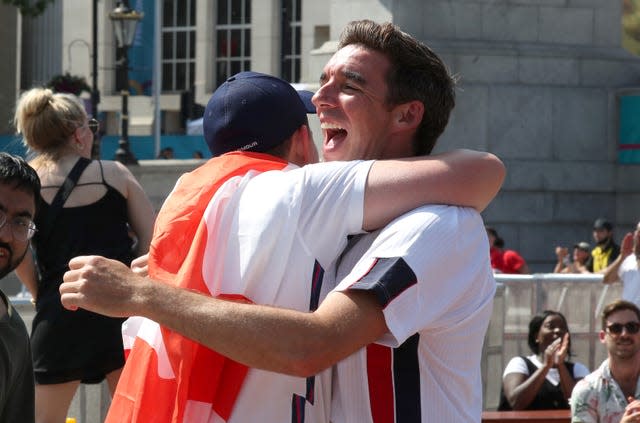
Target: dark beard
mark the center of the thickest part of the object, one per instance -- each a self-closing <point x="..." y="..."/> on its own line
<point x="12" y="264"/>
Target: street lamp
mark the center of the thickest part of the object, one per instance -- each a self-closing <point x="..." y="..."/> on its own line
<point x="95" y="94"/>
<point x="124" y="26"/>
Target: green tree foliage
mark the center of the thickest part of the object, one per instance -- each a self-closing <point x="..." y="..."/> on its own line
<point x="29" y="7"/>
<point x="68" y="83"/>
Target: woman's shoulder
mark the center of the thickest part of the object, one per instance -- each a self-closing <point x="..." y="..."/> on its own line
<point x="517" y="364"/>
<point x="111" y="165"/>
<point x="115" y="174"/>
<point x="579" y="370"/>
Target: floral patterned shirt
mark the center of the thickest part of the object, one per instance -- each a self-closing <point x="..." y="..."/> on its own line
<point x="598" y="398"/>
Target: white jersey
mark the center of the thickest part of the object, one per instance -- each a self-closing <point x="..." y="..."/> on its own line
<point x="430" y="270"/>
<point x="271" y="243"/>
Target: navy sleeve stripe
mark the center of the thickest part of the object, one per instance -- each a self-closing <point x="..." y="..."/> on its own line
<point x="316" y="286"/>
<point x="406" y="376"/>
<point x="387" y="278"/>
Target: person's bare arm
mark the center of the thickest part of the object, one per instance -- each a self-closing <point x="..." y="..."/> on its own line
<point x="521" y="389"/>
<point x="141" y="214"/>
<point x="269" y="338"/>
<point x="561" y="254"/>
<point x="461" y="177"/>
<point x="567" y="381"/>
<point x="611" y="272"/>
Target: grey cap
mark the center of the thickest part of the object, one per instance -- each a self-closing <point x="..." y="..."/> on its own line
<point x="584" y="246"/>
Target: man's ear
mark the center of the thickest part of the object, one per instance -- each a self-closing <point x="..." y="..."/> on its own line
<point x="409" y="115"/>
<point x="302" y="151"/>
<point x="601" y="335"/>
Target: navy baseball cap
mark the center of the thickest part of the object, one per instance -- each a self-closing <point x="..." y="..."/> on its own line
<point x="253" y="111"/>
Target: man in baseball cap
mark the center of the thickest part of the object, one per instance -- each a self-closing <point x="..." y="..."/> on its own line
<point x="606" y="250"/>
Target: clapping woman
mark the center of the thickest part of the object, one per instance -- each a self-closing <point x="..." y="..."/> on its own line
<point x="545" y="379"/>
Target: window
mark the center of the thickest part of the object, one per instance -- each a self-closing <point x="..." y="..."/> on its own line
<point x="290" y="49"/>
<point x="233" y="38"/>
<point x="178" y="45"/>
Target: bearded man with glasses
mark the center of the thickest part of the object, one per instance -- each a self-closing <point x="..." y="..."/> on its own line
<point x="19" y="188"/>
<point x="610" y="394"/>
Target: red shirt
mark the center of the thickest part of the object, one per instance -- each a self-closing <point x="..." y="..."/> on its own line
<point x="506" y="261"/>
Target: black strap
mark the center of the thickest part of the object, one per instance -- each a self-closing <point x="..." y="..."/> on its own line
<point x="61" y="197"/>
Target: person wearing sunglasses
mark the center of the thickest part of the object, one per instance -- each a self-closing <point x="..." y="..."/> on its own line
<point x="543" y="380"/>
<point x="612" y="392"/>
<point x="85" y="207"/>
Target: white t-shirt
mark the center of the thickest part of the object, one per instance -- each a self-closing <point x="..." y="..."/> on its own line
<point x="630" y="278"/>
<point x="430" y="269"/>
<point x="270" y="237"/>
<point x="271" y="243"/>
<point x="518" y="365"/>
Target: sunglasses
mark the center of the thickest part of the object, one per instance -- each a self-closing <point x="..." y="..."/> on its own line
<point x="631" y="327"/>
<point x="93" y="125"/>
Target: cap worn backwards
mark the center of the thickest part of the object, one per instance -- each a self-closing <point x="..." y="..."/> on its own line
<point x="254" y="111"/>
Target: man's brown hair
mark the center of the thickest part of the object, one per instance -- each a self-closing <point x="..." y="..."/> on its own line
<point x="416" y="73"/>
<point x="618" y="305"/>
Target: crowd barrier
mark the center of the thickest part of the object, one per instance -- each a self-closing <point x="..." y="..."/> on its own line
<point x="518" y="297"/>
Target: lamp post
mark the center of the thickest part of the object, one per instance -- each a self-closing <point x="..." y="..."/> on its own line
<point x="124" y="26"/>
<point x="95" y="94"/>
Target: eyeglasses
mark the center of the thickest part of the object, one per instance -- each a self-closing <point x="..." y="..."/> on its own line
<point x="23" y="228"/>
<point x="616" y="328"/>
<point x="93" y="125"/>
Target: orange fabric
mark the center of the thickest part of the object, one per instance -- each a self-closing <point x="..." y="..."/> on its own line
<point x="175" y="257"/>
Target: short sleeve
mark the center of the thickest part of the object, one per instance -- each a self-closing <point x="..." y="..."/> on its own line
<point x="413" y="267"/>
<point x="320" y="204"/>
<point x="516" y="365"/>
<point x="581" y="410"/>
<point x="332" y="202"/>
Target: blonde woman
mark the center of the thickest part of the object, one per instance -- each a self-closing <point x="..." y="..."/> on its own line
<point x="93" y="215"/>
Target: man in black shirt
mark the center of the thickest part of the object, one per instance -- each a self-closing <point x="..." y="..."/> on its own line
<point x="19" y="188"/>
